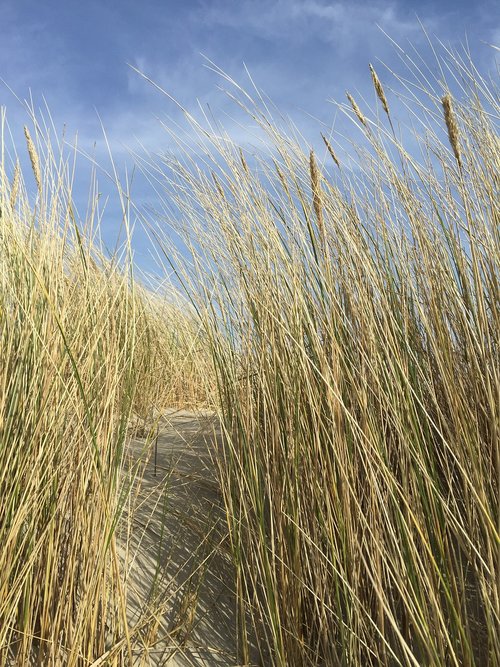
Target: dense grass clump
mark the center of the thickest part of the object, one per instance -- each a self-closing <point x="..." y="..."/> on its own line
<point x="352" y="307"/>
<point x="83" y="349"/>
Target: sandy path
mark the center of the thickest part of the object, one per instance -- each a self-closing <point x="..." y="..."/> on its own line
<point x="178" y="551"/>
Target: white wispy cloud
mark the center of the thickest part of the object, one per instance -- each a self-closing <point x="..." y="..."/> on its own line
<point x="311" y="18"/>
<point x="301" y="53"/>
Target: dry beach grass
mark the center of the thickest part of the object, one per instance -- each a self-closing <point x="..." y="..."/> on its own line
<point x="353" y="317"/>
<point x="343" y="320"/>
<point x="84" y="347"/>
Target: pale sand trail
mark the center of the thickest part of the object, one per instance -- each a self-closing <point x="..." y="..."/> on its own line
<point x="179" y="530"/>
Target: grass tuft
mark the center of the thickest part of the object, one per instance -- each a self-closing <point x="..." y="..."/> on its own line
<point x="359" y="385"/>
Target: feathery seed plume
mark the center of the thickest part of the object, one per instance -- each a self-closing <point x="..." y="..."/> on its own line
<point x="35" y="163"/>
<point x="452" y="127"/>
<point x="316" y="190"/>
<point x="218" y="185"/>
<point x="15" y="185"/>
<point x="379" y="90"/>
<point x="356" y="109"/>
<point x="281" y="176"/>
<point x="244" y="162"/>
<point x="330" y="150"/>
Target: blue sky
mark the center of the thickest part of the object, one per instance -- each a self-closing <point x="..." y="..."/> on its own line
<point x="302" y="53"/>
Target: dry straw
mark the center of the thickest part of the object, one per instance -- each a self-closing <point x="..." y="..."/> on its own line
<point x="452" y="126"/>
<point x="35" y="163"/>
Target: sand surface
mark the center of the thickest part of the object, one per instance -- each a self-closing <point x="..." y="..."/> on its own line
<point x="178" y="553"/>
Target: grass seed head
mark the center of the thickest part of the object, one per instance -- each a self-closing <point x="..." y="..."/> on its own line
<point x="316" y="190"/>
<point x="452" y="126"/>
<point x="330" y="150"/>
<point x="282" y="178"/>
<point x="379" y="90"/>
<point x="244" y="162"/>
<point x="15" y="185"/>
<point x="220" y="190"/>
<point x="356" y="109"/>
<point x="35" y="163"/>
